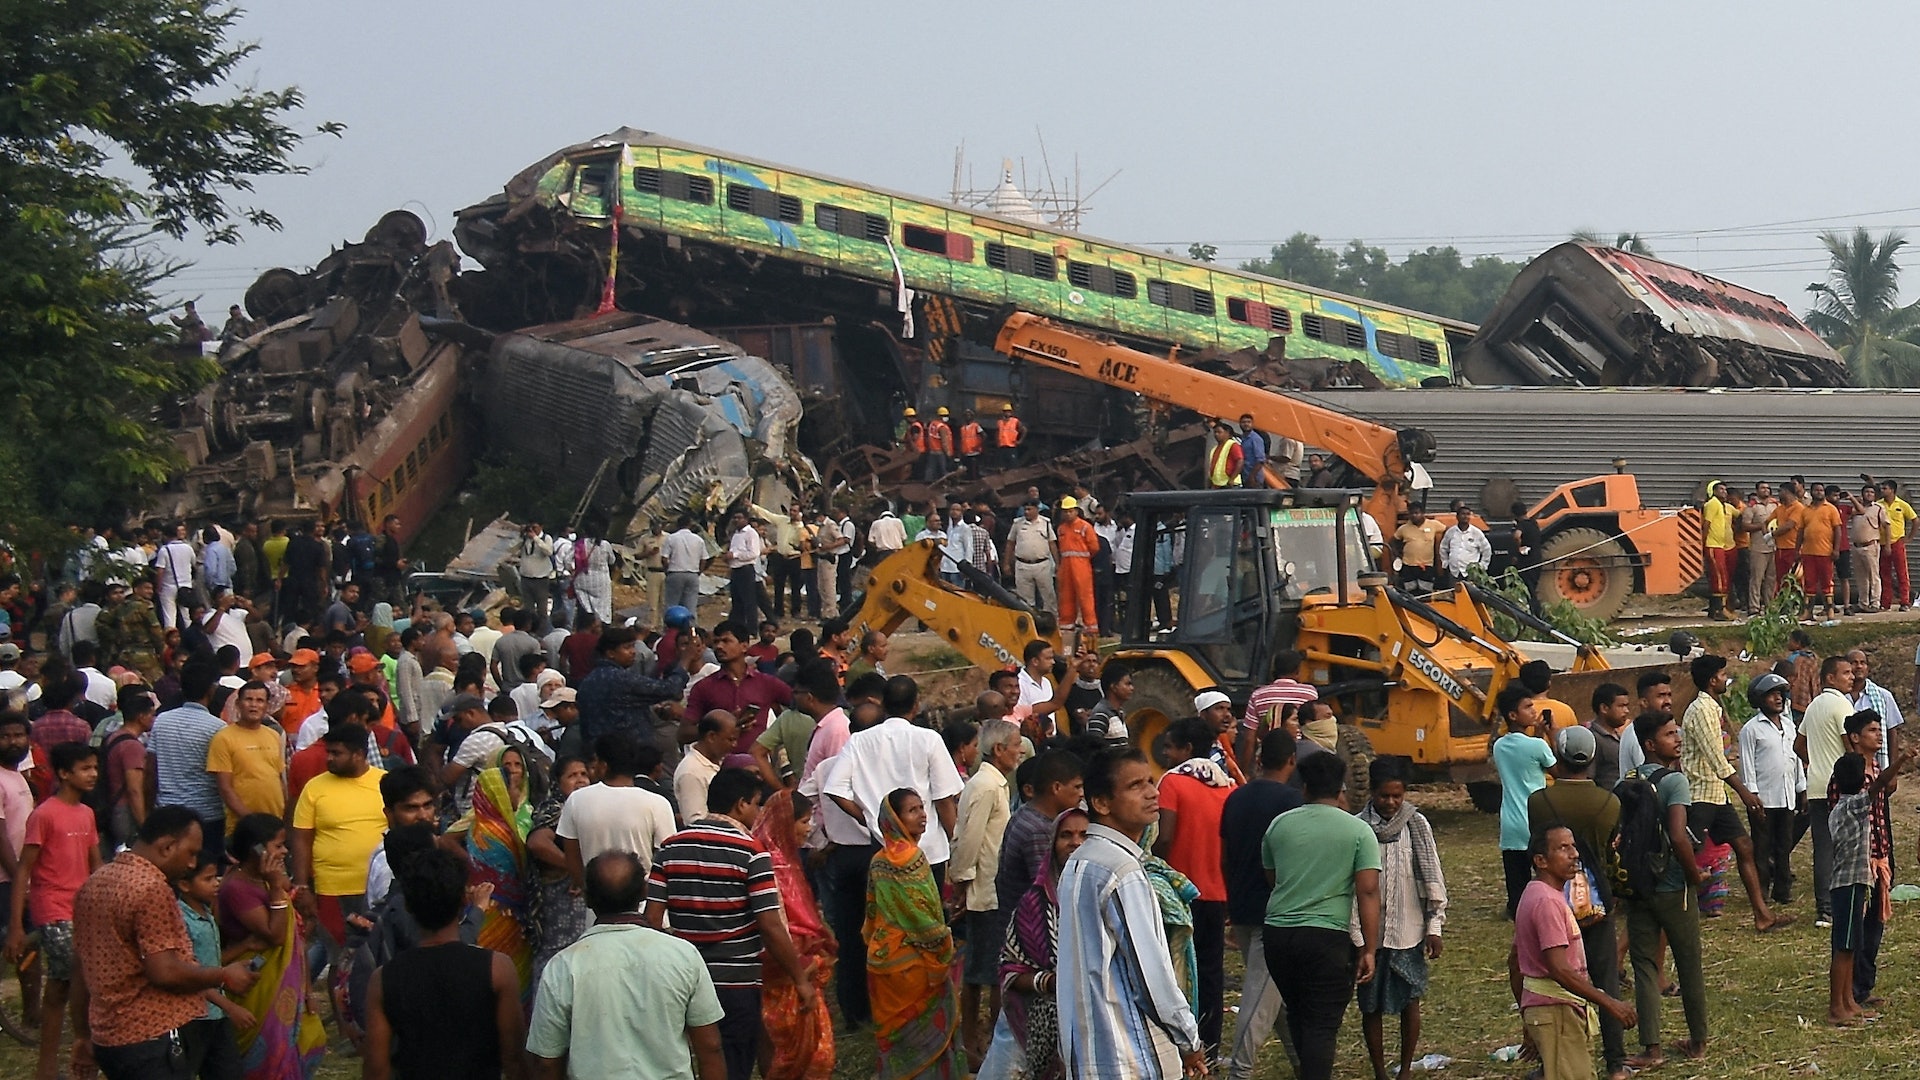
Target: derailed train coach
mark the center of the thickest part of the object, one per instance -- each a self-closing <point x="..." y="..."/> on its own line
<point x="1587" y="315"/>
<point x="648" y="418"/>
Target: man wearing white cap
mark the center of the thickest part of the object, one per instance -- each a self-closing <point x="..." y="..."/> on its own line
<point x="558" y="712"/>
<point x="1216" y="708"/>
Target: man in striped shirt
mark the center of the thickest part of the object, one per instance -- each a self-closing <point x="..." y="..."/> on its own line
<point x="1264" y="707"/>
<point x="717" y="882"/>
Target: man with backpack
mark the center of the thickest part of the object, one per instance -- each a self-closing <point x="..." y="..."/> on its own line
<point x="1592" y="814"/>
<point x="1656" y="886"/>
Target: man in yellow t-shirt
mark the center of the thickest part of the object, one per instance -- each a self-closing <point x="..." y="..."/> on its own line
<point x="337" y="824"/>
<point x="248" y="759"/>
<point x="1717" y="514"/>
<point x="1894" y="586"/>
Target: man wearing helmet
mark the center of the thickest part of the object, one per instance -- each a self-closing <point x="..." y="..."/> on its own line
<point x="1772" y="771"/>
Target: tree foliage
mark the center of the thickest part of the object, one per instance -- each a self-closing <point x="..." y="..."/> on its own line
<point x="117" y="124"/>
<point x="1438" y="280"/>
<point x="1858" y="310"/>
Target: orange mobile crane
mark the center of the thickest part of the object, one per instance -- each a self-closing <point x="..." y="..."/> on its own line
<point x="1597" y="541"/>
<point x="1383" y="455"/>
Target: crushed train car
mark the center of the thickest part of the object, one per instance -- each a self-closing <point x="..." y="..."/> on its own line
<point x="655" y="417"/>
<point x="1587" y="315"/>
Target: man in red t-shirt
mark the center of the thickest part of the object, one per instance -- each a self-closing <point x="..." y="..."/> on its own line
<point x="1192" y="795"/>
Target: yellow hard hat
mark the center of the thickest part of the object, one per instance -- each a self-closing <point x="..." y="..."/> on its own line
<point x="1069" y="503"/>
<point x="910" y="412"/>
<point x="1007" y="407"/>
<point x="942" y="411"/>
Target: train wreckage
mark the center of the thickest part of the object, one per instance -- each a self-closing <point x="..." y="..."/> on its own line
<point x="668" y="327"/>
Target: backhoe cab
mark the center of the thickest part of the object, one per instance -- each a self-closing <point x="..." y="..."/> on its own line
<point x="1224" y="580"/>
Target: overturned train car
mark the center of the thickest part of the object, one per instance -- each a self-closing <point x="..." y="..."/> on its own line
<point x="1587" y="315"/>
<point x="649" y="417"/>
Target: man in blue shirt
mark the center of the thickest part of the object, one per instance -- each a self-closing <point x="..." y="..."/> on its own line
<point x="1253" y="453"/>
<point x="1522" y="758"/>
<point x="216" y="563"/>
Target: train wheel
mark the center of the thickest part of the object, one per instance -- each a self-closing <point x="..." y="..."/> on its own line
<point x="1586" y="568"/>
<point x="1160" y="696"/>
<point x="277" y="294"/>
<point x="400" y="229"/>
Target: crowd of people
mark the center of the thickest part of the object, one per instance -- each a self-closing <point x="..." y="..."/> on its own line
<point x="244" y="799"/>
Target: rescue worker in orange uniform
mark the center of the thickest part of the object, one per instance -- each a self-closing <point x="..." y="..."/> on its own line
<point x="1078" y="544"/>
<point x="1009" y="436"/>
<point x="915" y="434"/>
<point x="939" y="457"/>
<point x="973" y="440"/>
<point x="1223" y="457"/>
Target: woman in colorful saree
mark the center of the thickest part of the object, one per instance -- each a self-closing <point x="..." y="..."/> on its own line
<point x="909" y="952"/>
<point x="503" y="798"/>
<point x="1176" y="893"/>
<point x="556" y="913"/>
<point x="255" y="915"/>
<point x="801" y="1041"/>
<point x="1027" y="961"/>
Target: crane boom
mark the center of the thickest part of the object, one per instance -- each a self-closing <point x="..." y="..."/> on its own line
<point x="1378" y="452"/>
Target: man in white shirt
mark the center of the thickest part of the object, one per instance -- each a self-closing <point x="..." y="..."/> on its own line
<point x="714" y="740"/>
<point x="1037" y="694"/>
<point x="876" y="761"/>
<point x="175" y="560"/>
<point x="615" y="814"/>
<point x="898" y="754"/>
<point x="536" y="574"/>
<point x="684" y="552"/>
<point x="743" y="570"/>
<point x="1030" y="558"/>
<point x="1464" y="546"/>
<point x="1770" y="769"/>
<point x="985" y="806"/>
<point x="957" y="549"/>
<point x="886" y="535"/>
<point x="849" y="854"/>
<point x="101" y="689"/>
<point x="1821" y="741"/>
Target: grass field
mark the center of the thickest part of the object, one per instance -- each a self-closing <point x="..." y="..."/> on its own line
<point x="1767" y="994"/>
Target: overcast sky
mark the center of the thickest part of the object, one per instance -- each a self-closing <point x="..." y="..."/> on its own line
<point x="1726" y="134"/>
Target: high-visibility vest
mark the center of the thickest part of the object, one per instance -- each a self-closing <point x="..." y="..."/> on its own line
<point x="917" y="436"/>
<point x="940" y="438"/>
<point x="1009" y="432"/>
<point x="972" y="438"/>
<point x="1219" y="466"/>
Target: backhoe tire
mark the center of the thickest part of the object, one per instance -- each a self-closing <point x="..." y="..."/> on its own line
<point x="1485" y="795"/>
<point x="1596" y="581"/>
<point x="1160" y="697"/>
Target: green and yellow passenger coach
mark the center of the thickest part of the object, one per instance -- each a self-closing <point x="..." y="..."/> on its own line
<point x="695" y="195"/>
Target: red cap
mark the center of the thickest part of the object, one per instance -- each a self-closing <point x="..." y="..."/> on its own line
<point x="362" y="663"/>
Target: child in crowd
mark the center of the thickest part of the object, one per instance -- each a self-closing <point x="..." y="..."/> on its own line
<point x="1856" y="926"/>
<point x="62" y="847"/>
<point x="214" y="1030"/>
<point x="1413" y="909"/>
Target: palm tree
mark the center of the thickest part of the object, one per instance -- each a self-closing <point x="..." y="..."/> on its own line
<point x="1858" y="311"/>
<point x="1626" y="241"/>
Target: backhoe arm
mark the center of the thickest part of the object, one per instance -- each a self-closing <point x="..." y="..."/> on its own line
<point x="988" y="632"/>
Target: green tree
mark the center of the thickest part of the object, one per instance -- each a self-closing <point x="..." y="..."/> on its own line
<point x="1858" y="310"/>
<point x="1202" y="252"/>
<point x="117" y="124"/>
<point x="1438" y="280"/>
